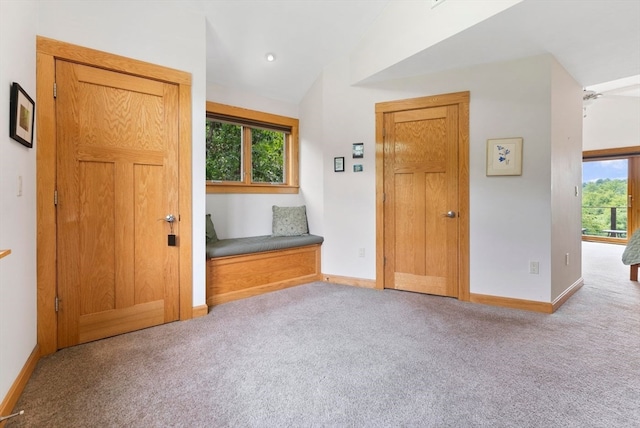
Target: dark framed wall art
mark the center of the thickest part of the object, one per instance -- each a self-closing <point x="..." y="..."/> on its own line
<point x="358" y="150"/>
<point x="21" y="115"/>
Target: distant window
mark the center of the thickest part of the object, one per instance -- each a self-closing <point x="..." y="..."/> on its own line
<point x="605" y="191"/>
<point x="250" y="151"/>
<point x="610" y="191"/>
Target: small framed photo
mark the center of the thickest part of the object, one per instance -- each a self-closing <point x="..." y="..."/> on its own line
<point x="338" y="164"/>
<point x="21" y="115"/>
<point x="358" y="150"/>
<point x="504" y="156"/>
<point x="357" y="168"/>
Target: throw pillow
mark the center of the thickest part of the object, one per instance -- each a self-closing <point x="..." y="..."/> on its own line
<point x="210" y="231"/>
<point x="289" y="221"/>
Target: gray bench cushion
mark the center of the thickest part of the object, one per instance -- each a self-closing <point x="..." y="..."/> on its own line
<point x="257" y="244"/>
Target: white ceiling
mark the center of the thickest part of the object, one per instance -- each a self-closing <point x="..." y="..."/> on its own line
<point x="305" y="36"/>
<point x="595" y="40"/>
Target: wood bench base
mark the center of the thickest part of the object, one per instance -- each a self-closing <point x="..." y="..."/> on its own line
<point x="634" y="272"/>
<point x="236" y="277"/>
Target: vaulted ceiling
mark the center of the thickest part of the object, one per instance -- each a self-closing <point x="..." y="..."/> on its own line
<point x="597" y="41"/>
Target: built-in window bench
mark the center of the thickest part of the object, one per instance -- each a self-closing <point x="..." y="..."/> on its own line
<point x="244" y="267"/>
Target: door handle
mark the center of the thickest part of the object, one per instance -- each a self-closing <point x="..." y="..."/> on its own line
<point x="170" y="218"/>
<point x="450" y="214"/>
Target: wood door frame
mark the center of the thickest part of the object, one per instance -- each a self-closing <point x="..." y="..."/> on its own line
<point x="461" y="99"/>
<point x="632" y="153"/>
<point x="47" y="52"/>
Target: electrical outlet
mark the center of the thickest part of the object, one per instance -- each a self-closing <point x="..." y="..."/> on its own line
<point x="534" y="268"/>
<point x="360" y="252"/>
<point x="566" y="259"/>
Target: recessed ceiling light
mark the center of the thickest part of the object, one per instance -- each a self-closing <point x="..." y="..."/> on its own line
<point x="271" y="57"/>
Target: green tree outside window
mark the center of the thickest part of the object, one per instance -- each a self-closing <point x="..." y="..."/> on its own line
<point x="224" y="145"/>
<point x="224" y="151"/>
<point x="267" y="156"/>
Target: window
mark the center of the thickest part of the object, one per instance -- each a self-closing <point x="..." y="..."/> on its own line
<point x="611" y="184"/>
<point x="604" y="198"/>
<point x="250" y="151"/>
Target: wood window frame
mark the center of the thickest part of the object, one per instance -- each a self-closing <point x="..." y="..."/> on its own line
<point x="631" y="153"/>
<point x="292" y="179"/>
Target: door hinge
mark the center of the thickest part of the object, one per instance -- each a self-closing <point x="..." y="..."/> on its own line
<point x="55" y="90"/>
<point x="55" y="197"/>
<point x="385" y="260"/>
<point x="57" y="304"/>
<point x="384" y="197"/>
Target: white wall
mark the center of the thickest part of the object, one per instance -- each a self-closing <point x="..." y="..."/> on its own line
<point x="18" y="312"/>
<point x="240" y="215"/>
<point x="566" y="177"/>
<point x="510" y="217"/>
<point x="245" y="99"/>
<point x="165" y="33"/>
<point x="312" y="167"/>
<point x="612" y="121"/>
<point x="423" y="26"/>
<point x="349" y="197"/>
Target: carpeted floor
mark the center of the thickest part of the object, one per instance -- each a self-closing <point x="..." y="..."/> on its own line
<point x="338" y="356"/>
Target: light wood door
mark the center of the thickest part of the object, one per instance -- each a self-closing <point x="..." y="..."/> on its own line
<point x="421" y="200"/>
<point x="117" y="177"/>
<point x="633" y="198"/>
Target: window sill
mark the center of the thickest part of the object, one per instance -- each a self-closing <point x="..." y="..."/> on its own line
<point x="213" y="187"/>
<point x="604" y="239"/>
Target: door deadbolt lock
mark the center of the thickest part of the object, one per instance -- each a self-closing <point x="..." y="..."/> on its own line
<point x="172" y="238"/>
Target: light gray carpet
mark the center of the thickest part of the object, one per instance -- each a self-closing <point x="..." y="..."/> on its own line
<point x="339" y="356"/>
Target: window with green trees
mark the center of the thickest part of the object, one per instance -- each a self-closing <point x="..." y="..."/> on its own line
<point x="249" y="151"/>
<point x="267" y="156"/>
<point x="224" y="151"/>
<point x="604" y="198"/>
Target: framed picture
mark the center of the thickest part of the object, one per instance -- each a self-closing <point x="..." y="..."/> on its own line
<point x="338" y="164"/>
<point x="358" y="150"/>
<point x="21" y="115"/>
<point x="357" y="168"/>
<point x="504" y="156"/>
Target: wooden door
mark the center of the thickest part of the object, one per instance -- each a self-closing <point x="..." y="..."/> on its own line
<point x="421" y="210"/>
<point x="633" y="198"/>
<point x="117" y="177"/>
